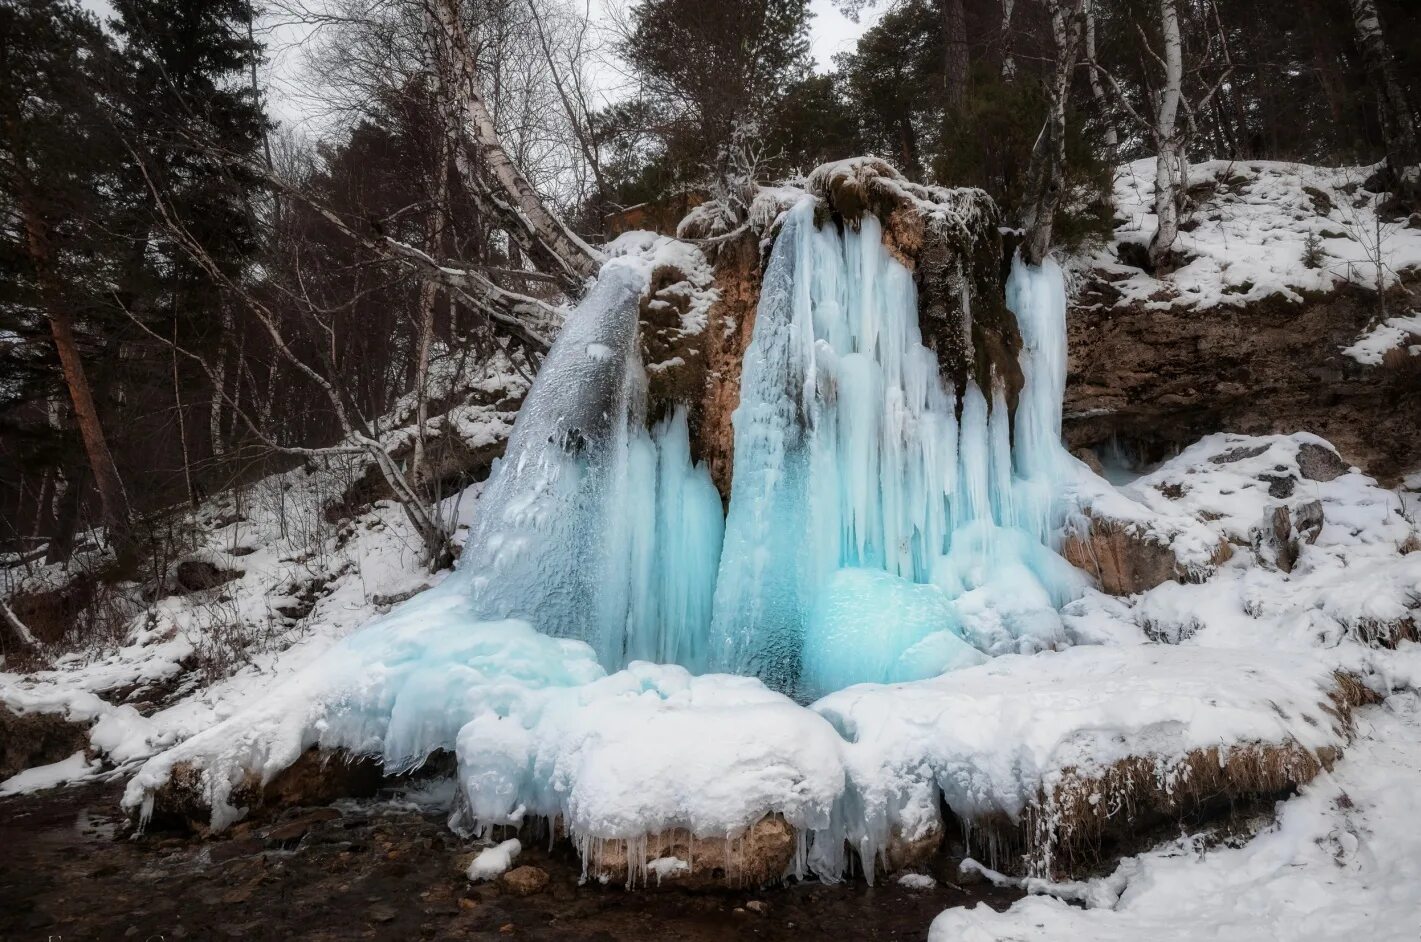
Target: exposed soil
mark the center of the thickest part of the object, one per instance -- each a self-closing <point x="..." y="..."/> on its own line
<point x="1157" y="380"/>
<point x="381" y="869"/>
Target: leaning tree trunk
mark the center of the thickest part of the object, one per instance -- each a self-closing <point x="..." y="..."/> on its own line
<point x="1046" y="176"/>
<point x="1170" y="167"/>
<point x="573" y="259"/>
<point x="1398" y="122"/>
<point x="113" y="500"/>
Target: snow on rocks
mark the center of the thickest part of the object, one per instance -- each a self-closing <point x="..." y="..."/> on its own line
<point x="1026" y="750"/>
<point x="493" y="861"/>
<point x="1326" y="554"/>
<point x="75" y="768"/>
<point x="1250" y="232"/>
<point x="1343" y="854"/>
<point x="1395" y="336"/>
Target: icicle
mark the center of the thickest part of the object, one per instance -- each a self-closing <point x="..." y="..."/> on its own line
<point x="854" y="478"/>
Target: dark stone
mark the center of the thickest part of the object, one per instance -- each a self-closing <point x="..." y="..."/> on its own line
<point x="1279" y="486"/>
<point x="195" y="575"/>
<point x="1319" y="463"/>
<point x="1238" y="454"/>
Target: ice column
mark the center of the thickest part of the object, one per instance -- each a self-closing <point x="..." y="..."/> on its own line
<point x="591" y="527"/>
<point x="875" y="523"/>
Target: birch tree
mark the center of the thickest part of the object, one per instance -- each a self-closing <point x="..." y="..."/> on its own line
<point x="1170" y="124"/>
<point x="1046" y="177"/>
<point x="1398" y="120"/>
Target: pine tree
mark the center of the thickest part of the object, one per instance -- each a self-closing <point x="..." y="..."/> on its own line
<point x="57" y="166"/>
<point x="193" y="129"/>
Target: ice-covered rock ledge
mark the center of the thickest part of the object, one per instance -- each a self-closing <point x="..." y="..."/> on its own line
<point x="660" y="777"/>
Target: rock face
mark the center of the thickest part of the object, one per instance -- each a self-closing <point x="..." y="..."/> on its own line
<point x="1159" y="378"/>
<point x="732" y="321"/>
<point x="31" y="739"/>
<point x="1125" y="560"/>
<point x="759" y="856"/>
<point x="950" y="240"/>
<point x="316" y="778"/>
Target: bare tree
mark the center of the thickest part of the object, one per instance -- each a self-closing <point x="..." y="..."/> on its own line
<point x="554" y="246"/>
<point x="1046" y="177"/>
<point x="1170" y="126"/>
<point x="1398" y="121"/>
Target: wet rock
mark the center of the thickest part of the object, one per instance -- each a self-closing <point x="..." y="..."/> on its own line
<point x="524" y="881"/>
<point x="31" y="739"/>
<point x="904" y="852"/>
<point x="295" y="829"/>
<point x="757" y="857"/>
<point x="241" y="847"/>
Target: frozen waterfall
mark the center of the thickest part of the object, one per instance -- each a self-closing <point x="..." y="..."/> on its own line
<point x="878" y="528"/>
<point x="592" y="527"/>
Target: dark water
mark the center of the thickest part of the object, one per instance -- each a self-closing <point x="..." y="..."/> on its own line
<point x="378" y="871"/>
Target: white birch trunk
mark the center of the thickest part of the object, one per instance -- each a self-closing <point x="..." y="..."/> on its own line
<point x="579" y="260"/>
<point x="1170" y="160"/>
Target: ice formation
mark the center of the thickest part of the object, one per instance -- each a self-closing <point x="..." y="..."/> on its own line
<point x="592" y="527"/>
<point x="858" y="489"/>
<point x="582" y="660"/>
<point x="878" y="529"/>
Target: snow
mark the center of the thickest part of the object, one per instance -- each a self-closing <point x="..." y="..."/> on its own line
<point x="1343" y="855"/>
<point x="593" y="555"/>
<point x="76" y="768"/>
<point x="1246" y="238"/>
<point x="1394" y="333"/>
<point x="916" y="881"/>
<point x="494" y="861"/>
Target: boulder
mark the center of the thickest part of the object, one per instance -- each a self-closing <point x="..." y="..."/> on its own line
<point x="1127" y="559"/>
<point x="32" y="739"/>
<point x="758" y="856"/>
<point x="524" y="881"/>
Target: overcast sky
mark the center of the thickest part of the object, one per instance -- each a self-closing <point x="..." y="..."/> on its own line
<point x="830" y="33"/>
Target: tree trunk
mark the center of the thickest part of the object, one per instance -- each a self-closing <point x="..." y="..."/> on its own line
<point x="577" y="260"/>
<point x="20" y="639"/>
<point x="1046" y="176"/>
<point x="954" y="29"/>
<point x="428" y="298"/>
<point x="1008" y="46"/>
<point x="1398" y="122"/>
<point x="1097" y="88"/>
<point x="112" y="499"/>
<point x="1170" y="168"/>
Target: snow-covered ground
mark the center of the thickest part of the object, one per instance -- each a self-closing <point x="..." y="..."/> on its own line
<point x="1343" y="858"/>
<point x="1259" y="229"/>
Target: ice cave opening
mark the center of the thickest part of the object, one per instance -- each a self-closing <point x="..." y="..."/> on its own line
<point x="880" y="526"/>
